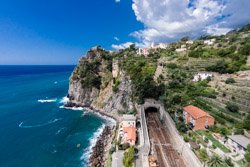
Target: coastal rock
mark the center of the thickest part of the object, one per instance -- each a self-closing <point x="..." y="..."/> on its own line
<point x="103" y="98"/>
<point x="97" y="157"/>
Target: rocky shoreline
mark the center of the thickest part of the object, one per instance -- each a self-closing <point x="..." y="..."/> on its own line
<point x="99" y="152"/>
<point x="98" y="155"/>
<point x="103" y="113"/>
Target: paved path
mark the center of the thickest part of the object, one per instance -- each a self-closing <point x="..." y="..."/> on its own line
<point x="117" y="158"/>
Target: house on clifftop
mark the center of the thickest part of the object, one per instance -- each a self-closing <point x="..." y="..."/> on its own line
<point x="199" y="119"/>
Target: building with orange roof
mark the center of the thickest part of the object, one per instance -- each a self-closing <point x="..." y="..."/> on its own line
<point x="199" y="119"/>
<point x="129" y="135"/>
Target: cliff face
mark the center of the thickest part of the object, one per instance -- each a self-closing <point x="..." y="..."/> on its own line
<point x="98" y="82"/>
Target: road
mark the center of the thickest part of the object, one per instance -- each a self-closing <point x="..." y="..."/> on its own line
<point x="117" y="158"/>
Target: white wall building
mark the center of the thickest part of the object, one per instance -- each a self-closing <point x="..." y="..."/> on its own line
<point x="190" y="42"/>
<point x="209" y="41"/>
<point x="238" y="143"/>
<point x="128" y="120"/>
<point x="201" y="76"/>
<point x="182" y="49"/>
<point x="143" y="51"/>
<point x="159" y="45"/>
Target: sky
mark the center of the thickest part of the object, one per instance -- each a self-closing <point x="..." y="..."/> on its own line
<point x="61" y="31"/>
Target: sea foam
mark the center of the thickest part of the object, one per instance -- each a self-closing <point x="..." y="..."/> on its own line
<point x="46" y="100"/>
<point x="64" y="100"/>
<point x="39" y="125"/>
<point x="92" y="142"/>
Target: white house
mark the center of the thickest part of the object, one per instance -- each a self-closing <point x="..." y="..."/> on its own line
<point x="201" y="76"/>
<point x="127" y="129"/>
<point x="190" y="42"/>
<point x="143" y="51"/>
<point x="238" y="143"/>
<point x="128" y="120"/>
<point x="160" y="45"/>
<point x="182" y="49"/>
<point x="210" y="41"/>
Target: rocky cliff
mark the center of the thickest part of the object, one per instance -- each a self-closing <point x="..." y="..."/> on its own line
<point x="98" y="82"/>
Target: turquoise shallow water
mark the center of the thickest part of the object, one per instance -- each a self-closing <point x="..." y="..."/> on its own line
<point x="35" y="131"/>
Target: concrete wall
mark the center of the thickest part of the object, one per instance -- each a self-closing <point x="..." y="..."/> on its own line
<point x="178" y="143"/>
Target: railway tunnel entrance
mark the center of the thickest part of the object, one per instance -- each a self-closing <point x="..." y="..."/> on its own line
<point x="162" y="152"/>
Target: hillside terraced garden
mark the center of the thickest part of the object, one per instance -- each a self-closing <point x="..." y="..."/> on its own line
<point x="167" y="75"/>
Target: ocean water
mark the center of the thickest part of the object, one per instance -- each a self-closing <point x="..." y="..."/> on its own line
<point x="35" y="131"/>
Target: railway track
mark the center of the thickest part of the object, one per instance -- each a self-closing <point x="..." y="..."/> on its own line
<point x="160" y="141"/>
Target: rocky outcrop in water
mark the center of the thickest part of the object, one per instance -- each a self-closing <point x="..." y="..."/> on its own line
<point x="97" y="158"/>
<point x="93" y="80"/>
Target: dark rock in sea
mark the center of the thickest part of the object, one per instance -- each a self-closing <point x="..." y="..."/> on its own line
<point x="70" y="104"/>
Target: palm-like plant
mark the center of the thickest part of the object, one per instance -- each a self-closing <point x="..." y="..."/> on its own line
<point x="215" y="161"/>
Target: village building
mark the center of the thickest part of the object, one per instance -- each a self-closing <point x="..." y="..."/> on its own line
<point x="127" y="129"/>
<point x="197" y="118"/>
<point x="128" y="120"/>
<point x="189" y="42"/>
<point x="202" y="76"/>
<point x="143" y="51"/>
<point x="181" y="49"/>
<point x="129" y="135"/>
<point x="238" y="143"/>
<point x="159" y="45"/>
<point x="209" y="41"/>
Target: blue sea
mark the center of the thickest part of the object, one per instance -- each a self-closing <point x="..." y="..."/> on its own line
<point x="35" y="130"/>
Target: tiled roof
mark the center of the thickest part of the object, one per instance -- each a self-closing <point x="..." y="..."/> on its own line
<point x="195" y="112"/>
<point x="131" y="133"/>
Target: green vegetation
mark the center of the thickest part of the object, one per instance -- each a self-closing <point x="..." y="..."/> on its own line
<point x="202" y="153"/>
<point x="228" y="162"/>
<point x="215" y="161"/>
<point x="214" y="141"/>
<point x="128" y="159"/>
<point x="232" y="107"/>
<point x="109" y="160"/>
<point x="141" y="71"/>
<point x="246" y="123"/>
<point x="247" y="155"/>
<point x="116" y="84"/>
<point x="230" y="81"/>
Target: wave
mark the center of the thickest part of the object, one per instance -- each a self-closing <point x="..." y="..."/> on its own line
<point x="47" y="100"/>
<point x="39" y="125"/>
<point x="59" y="131"/>
<point x="72" y="108"/>
<point x="64" y="100"/>
<point x="92" y="142"/>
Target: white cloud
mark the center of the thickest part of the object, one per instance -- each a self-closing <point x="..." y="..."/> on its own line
<point x="117" y="1"/>
<point x="116" y="38"/>
<point x="121" y="46"/>
<point x="169" y="20"/>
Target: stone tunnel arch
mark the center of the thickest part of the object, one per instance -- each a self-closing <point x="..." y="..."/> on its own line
<point x="154" y="109"/>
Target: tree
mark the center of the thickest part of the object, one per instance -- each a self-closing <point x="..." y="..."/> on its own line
<point x="203" y="154"/>
<point x="184" y="39"/>
<point x="247" y="155"/>
<point x="229" y="162"/>
<point x="230" y="81"/>
<point x="232" y="107"/>
<point x="215" y="161"/>
<point x="128" y="159"/>
<point x="246" y="123"/>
